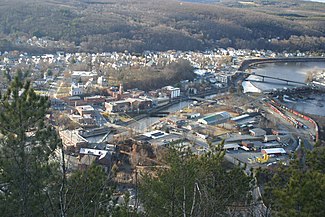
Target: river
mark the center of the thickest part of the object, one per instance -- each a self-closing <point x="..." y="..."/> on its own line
<point x="145" y="123"/>
<point x="289" y="71"/>
<point x="310" y="104"/>
<point x="314" y="104"/>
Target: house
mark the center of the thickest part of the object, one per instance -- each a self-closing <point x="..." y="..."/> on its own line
<point x="89" y="156"/>
<point x="76" y="89"/>
<point x="217" y="118"/>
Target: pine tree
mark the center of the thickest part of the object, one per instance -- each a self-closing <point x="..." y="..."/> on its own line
<point x="89" y="193"/>
<point x="296" y="190"/>
<point x="28" y="175"/>
<point x="195" y="186"/>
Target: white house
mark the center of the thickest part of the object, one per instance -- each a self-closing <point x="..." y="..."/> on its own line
<point x="76" y="89"/>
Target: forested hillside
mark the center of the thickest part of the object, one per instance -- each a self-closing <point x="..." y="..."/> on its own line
<point x="138" y="25"/>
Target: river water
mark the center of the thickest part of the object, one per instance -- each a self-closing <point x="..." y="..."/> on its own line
<point x="311" y="104"/>
<point x="291" y="71"/>
<point x="322" y="1"/>
<point x="145" y="123"/>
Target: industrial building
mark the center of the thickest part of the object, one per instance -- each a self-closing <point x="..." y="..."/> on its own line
<point x="274" y="151"/>
<point x="85" y="110"/>
<point x="257" y="132"/>
<point x="217" y="118"/>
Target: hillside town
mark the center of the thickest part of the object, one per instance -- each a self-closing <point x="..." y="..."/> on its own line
<point x="101" y="121"/>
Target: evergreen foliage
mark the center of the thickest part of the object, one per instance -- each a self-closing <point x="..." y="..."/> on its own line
<point x="297" y="190"/>
<point x="89" y="193"/>
<point x="195" y="186"/>
<point x="27" y="146"/>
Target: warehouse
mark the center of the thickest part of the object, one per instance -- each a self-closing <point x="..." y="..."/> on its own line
<point x="257" y="132"/>
<point x="217" y="118"/>
<point x="274" y="151"/>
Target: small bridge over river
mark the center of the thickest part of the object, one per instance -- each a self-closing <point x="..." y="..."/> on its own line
<point x="274" y="78"/>
<point x="200" y="99"/>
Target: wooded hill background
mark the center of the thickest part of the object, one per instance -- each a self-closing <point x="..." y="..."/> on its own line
<point x="138" y="25"/>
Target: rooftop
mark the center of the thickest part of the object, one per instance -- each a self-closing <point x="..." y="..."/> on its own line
<point x="155" y="134"/>
<point x="94" y="152"/>
<point x="85" y="108"/>
<point x="216" y="116"/>
<point x="274" y="151"/>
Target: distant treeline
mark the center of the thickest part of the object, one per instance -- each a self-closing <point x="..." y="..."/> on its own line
<point x="119" y="25"/>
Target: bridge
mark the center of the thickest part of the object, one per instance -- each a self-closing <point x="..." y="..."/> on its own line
<point x="159" y="114"/>
<point x="253" y="62"/>
<point x="270" y="77"/>
<point x="200" y="99"/>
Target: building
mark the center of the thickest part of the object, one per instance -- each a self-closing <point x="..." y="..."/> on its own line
<point x="240" y="118"/>
<point x="95" y="100"/>
<point x="233" y="146"/>
<point x="57" y="104"/>
<point x="156" y="102"/>
<point x="155" y="134"/>
<point x="95" y="131"/>
<point x="76" y="89"/>
<point x="223" y="78"/>
<point x="217" y="118"/>
<point x="117" y="92"/>
<point x="85" y="121"/>
<point x="74" y="101"/>
<point x="274" y="151"/>
<point x="247" y="144"/>
<point x="89" y="156"/>
<point x="102" y="82"/>
<point x="257" y="132"/>
<point x="83" y="75"/>
<point x="157" y="138"/>
<point x="192" y="115"/>
<point x="172" y="92"/>
<point x="117" y="106"/>
<point x="268" y="138"/>
<point x="72" y="141"/>
<point x="129" y="105"/>
<point x="85" y="110"/>
<point x="139" y="104"/>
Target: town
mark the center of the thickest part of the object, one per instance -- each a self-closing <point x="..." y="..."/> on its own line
<point x="103" y="117"/>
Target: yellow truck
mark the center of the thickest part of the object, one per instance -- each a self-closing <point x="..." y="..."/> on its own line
<point x="263" y="159"/>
